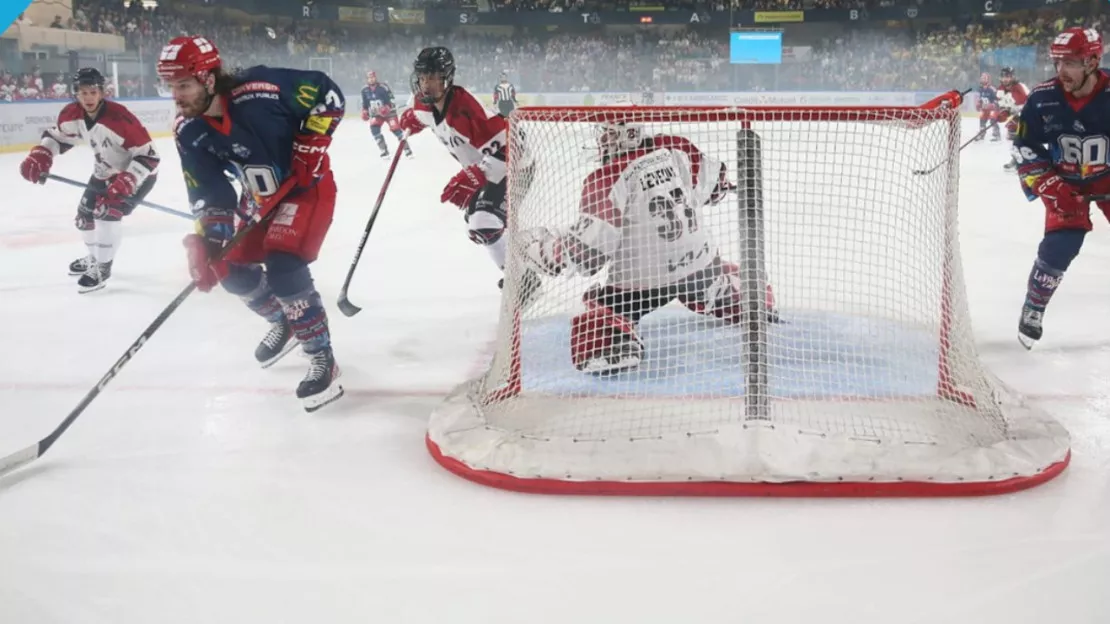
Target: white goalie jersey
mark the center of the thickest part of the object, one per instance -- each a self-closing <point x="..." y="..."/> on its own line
<point x="642" y="213"/>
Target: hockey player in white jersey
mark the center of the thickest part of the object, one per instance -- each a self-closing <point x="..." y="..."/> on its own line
<point x="641" y="213"/>
<point x="125" y="168"/>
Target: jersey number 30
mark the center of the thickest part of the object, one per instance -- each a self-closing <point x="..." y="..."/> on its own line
<point x="668" y="208"/>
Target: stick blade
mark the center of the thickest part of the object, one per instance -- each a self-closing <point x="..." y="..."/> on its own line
<point x="346" y="307"/>
<point x="19" y="459"/>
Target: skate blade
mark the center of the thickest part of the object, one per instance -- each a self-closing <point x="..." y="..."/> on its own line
<point x="316" y="401"/>
<point x="84" y="290"/>
<point x="602" y="367"/>
<point x="1026" y="342"/>
<point x="289" y="346"/>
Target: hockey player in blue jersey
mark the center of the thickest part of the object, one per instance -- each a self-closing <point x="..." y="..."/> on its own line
<point x="1062" y="147"/>
<point x="378" y="109"/>
<point x="265" y="125"/>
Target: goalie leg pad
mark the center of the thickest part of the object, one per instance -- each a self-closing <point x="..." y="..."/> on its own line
<point x="721" y="294"/>
<point x="603" y="342"/>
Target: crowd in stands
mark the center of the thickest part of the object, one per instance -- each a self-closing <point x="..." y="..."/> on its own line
<point x="691" y="60"/>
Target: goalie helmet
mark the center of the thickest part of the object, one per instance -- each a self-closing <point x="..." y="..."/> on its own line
<point x="617" y="137"/>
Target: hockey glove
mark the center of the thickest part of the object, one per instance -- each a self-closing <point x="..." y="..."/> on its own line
<point x="365" y="115"/>
<point x="1059" y="196"/>
<point x="724" y="187"/>
<point x="37" y="165"/>
<point x="409" y="122"/>
<point x="384" y="110"/>
<point x="462" y="188"/>
<point x="110" y="204"/>
<point x="204" y="271"/>
<point x="310" y="152"/>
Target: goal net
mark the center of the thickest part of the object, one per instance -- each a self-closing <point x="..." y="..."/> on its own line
<point x="822" y="346"/>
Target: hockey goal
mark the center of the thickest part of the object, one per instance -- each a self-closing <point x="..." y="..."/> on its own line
<point x="866" y="383"/>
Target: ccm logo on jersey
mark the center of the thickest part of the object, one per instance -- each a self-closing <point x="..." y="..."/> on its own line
<point x="309" y="149"/>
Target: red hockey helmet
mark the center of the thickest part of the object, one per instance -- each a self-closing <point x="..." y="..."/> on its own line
<point x="1076" y="43"/>
<point x="187" y="57"/>
<point x="371" y="77"/>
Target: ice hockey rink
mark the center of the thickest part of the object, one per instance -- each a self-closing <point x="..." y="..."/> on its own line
<point x="196" y="489"/>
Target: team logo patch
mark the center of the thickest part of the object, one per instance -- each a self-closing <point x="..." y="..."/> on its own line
<point x="306" y="95"/>
<point x="241" y="151"/>
<point x="286" y="213"/>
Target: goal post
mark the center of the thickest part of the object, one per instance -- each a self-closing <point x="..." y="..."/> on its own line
<point x="822" y="346"/>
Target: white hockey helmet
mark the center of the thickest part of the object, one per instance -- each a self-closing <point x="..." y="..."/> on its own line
<point x="617" y="137"/>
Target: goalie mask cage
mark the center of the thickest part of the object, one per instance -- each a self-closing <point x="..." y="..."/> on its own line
<point x="868" y="382"/>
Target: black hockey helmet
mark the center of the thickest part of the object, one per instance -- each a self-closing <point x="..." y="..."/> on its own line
<point x="437" y="60"/>
<point x="88" y="77"/>
<point x="1006" y="72"/>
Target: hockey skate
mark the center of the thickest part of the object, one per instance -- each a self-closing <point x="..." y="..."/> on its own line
<point x="384" y="155"/>
<point x="1010" y="166"/>
<point x="624" y="354"/>
<point x="1030" y="328"/>
<point x="95" y="277"/>
<point x="408" y="152"/>
<point x="276" y="344"/>
<point x="80" y="265"/>
<point x="321" y="385"/>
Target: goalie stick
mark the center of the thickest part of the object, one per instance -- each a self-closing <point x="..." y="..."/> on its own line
<point x="176" y="213"/>
<point x="36" y="450"/>
<point x="344" y="304"/>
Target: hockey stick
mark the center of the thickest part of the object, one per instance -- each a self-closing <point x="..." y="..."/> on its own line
<point x="344" y="304"/>
<point x="981" y="132"/>
<point x="35" y="451"/>
<point x="176" y="213"/>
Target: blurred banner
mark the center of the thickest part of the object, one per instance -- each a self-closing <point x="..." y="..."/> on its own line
<point x="9" y="10"/>
<point x="1024" y="57"/>
<point x="406" y="16"/>
<point x="773" y="17"/>
<point x="355" y="14"/>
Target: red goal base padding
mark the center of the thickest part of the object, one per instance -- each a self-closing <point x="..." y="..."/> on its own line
<point x="795" y="489"/>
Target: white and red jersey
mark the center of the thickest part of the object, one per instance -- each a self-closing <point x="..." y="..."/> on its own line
<point x="642" y="210"/>
<point x="118" y="139"/>
<point x="59" y="90"/>
<point x="1019" y="92"/>
<point x="474" y="134"/>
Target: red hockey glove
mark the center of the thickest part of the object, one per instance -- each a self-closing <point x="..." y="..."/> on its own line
<point x="309" y="154"/>
<point x="409" y="121"/>
<point x="462" y="188"/>
<point x="37" y="165"/>
<point x="110" y="202"/>
<point x="1059" y="196"/>
<point x="365" y="115"/>
<point x="384" y="111"/>
<point x="724" y="187"/>
<point x="205" y="272"/>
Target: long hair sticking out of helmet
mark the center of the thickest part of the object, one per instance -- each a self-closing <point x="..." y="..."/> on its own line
<point x="195" y="57"/>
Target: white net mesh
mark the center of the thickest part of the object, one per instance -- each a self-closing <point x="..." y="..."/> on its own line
<point x="809" y="325"/>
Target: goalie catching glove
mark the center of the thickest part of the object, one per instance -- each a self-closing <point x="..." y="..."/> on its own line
<point x="586" y="249"/>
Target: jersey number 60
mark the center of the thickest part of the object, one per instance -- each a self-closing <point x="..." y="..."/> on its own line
<point x="1089" y="150"/>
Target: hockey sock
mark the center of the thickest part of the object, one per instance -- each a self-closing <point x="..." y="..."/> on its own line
<point x="89" y="238"/>
<point x="108" y="236"/>
<point x="1054" y="256"/>
<point x="249" y="283"/>
<point x="302" y="304"/>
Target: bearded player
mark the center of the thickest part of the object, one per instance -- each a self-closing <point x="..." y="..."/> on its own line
<point x="266" y="125"/>
<point x="1012" y="96"/>
<point x="477" y="138"/>
<point x="378" y="108"/>
<point x="1061" y="147"/>
<point x="642" y="216"/>
<point x="124" y="170"/>
<point x="987" y="105"/>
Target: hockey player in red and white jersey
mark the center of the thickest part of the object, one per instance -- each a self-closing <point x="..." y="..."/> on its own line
<point x="1012" y="95"/>
<point x="475" y="136"/>
<point x="125" y="168"/>
<point x="641" y="213"/>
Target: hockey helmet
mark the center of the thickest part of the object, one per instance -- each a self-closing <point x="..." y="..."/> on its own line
<point x="87" y="77"/>
<point x="1006" y="74"/>
<point x="617" y="137"/>
<point x="984" y="79"/>
<point x="188" y="57"/>
<point x="371" y="77"/>
<point x="437" y="60"/>
<point x="1076" y="44"/>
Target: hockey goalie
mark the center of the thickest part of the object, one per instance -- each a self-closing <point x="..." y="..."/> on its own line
<point x="641" y="214"/>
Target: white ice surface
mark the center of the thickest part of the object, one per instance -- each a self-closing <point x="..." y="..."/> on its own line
<point x="195" y="489"/>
